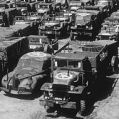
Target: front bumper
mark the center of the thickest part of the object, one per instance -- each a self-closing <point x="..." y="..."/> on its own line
<point x="16" y="92"/>
<point x="62" y="104"/>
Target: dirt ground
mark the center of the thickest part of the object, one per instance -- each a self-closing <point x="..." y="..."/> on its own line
<point x="14" y="108"/>
<point x="109" y="107"/>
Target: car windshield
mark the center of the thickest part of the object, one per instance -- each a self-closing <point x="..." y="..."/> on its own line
<point x="67" y="63"/>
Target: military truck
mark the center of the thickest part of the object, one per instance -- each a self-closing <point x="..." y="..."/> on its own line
<point x="110" y="28"/>
<point x="109" y="33"/>
<point x="74" y="5"/>
<point x="51" y="28"/>
<point x="27" y="25"/>
<point x="42" y="43"/>
<point x="32" y="70"/>
<point x="74" y="73"/>
<point x="84" y="25"/>
<point x="44" y="8"/>
<point x="11" y="49"/>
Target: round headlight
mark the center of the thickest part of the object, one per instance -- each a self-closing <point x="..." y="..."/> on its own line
<point x="50" y="86"/>
<point x="71" y="88"/>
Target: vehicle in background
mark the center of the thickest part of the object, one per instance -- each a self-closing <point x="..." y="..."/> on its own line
<point x="106" y="6"/>
<point x="44" y="8"/>
<point x="11" y="49"/>
<point x="84" y="25"/>
<point x="109" y="33"/>
<point x="110" y="28"/>
<point x="42" y="43"/>
<point x="51" y="28"/>
<point x="29" y="25"/>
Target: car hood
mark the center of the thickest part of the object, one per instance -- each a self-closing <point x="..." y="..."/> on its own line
<point x="64" y="77"/>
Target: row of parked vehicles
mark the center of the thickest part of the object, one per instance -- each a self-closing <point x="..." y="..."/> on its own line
<point x="67" y="74"/>
<point x="110" y="28"/>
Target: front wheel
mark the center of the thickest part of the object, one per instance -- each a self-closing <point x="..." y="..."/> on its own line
<point x="81" y="108"/>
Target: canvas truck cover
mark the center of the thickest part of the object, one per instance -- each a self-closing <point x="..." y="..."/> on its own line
<point x="89" y="49"/>
<point x="32" y="63"/>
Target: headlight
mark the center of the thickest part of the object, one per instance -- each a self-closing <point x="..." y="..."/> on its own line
<point x="71" y="88"/>
<point x="56" y="64"/>
<point x="79" y="64"/>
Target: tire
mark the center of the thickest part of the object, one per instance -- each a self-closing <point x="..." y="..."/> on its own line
<point x="82" y="107"/>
